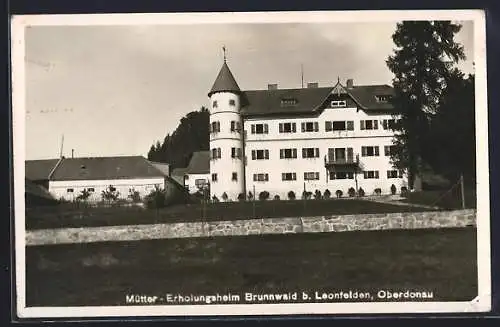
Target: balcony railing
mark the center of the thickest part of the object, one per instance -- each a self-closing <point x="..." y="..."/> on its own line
<point x="346" y="161"/>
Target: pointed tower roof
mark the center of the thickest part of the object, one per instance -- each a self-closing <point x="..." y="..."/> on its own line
<point x="225" y="81"/>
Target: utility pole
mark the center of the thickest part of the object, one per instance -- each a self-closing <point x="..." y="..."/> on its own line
<point x="462" y="190"/>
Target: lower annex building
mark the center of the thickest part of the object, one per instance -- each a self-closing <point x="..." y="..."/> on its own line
<point x="305" y="139"/>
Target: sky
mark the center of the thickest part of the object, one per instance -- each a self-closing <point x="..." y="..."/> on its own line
<point x="115" y="90"/>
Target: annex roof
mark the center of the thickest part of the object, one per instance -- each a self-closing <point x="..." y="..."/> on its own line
<point x="98" y="168"/>
<point x="199" y="163"/>
<point x="39" y="169"/>
<point x="225" y="81"/>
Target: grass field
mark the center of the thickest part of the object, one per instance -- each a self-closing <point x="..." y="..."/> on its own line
<point x="444" y="199"/>
<point x="64" y="216"/>
<point x="440" y="261"/>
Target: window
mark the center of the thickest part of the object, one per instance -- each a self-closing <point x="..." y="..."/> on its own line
<point x="310" y="152"/>
<point x="232" y="103"/>
<point x="389" y="150"/>
<point x="369" y="151"/>
<point x="339" y="125"/>
<point x="289" y="176"/>
<point x="214" y="177"/>
<point x="260" y="177"/>
<point x="234" y="176"/>
<point x="310" y="127"/>
<point x="369" y="124"/>
<point x="287" y="127"/>
<point x="215" y="127"/>
<point x="311" y="176"/>
<point x="236" y="153"/>
<point x="288" y="102"/>
<point x="200" y="182"/>
<point x="390" y="123"/>
<point x="235" y="126"/>
<point x="260" y="129"/>
<point x="341" y="175"/>
<point x="288" y="153"/>
<point x="383" y="98"/>
<point x="338" y="103"/>
<point x="70" y="190"/>
<point x="370" y="174"/>
<point x="214" y="104"/>
<point x="216" y="153"/>
<point x="340" y="154"/>
<point x="260" y="154"/>
<point x="394" y="174"/>
<point x="91" y="189"/>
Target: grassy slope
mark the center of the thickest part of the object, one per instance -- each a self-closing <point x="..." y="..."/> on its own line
<point x="442" y="261"/>
<point x="444" y="199"/>
<point x="55" y="217"/>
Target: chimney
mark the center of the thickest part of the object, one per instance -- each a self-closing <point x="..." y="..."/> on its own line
<point x="312" y="85"/>
<point x="272" y="86"/>
<point x="350" y="83"/>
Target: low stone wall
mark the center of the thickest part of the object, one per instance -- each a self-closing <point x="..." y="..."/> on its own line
<point x="366" y="222"/>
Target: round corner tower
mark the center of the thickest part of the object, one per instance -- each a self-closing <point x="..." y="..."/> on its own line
<point x="227" y="174"/>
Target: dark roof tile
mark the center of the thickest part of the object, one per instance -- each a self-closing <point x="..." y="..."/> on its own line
<point x="39" y="169"/>
<point x="225" y="81"/>
<point x="199" y="163"/>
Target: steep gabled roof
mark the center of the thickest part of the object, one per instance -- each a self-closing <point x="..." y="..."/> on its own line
<point x="39" y="169"/>
<point x="225" y="81"/>
<point x="100" y="168"/>
<point x="199" y="163"/>
<point x="308" y="100"/>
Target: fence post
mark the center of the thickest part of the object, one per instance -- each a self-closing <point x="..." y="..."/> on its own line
<point x="462" y="193"/>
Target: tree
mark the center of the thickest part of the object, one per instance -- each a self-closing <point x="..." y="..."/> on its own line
<point x="191" y="135"/>
<point x="422" y="65"/>
<point x="453" y="130"/>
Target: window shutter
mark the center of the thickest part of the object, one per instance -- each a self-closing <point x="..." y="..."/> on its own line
<point x="281" y="127"/>
<point x="266" y="129"/>
<point x="303" y="126"/>
<point x="283" y="176"/>
<point x="253" y="129"/>
<point x="363" y="151"/>
<point x="400" y="173"/>
<point x="266" y="154"/>
<point x="316" y="152"/>
<point x="282" y="153"/>
<point x="364" y="175"/>
<point x="232" y="125"/>
<point x="317" y="175"/>
<point x="350" y="125"/>
<point x="376" y="174"/>
<point x="362" y="124"/>
<point x="294" y="176"/>
<point x="218" y="153"/>
<point x="328" y="126"/>
<point x="254" y="177"/>
<point x="253" y="154"/>
<point x="350" y="154"/>
<point x="376" y="150"/>
<point x="294" y="127"/>
<point x="304" y="152"/>
<point x="294" y="153"/>
<point x="305" y="176"/>
<point x="316" y="126"/>
<point x="384" y="124"/>
<point x="375" y="124"/>
<point x="218" y="126"/>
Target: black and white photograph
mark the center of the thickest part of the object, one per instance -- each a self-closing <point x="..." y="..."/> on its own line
<point x="260" y="163"/>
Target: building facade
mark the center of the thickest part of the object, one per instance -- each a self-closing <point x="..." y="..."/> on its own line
<point x="314" y="138"/>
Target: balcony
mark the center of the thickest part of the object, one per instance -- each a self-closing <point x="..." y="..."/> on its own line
<point x="349" y="161"/>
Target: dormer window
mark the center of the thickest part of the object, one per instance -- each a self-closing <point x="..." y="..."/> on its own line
<point x="288" y="102"/>
<point x="232" y="103"/>
<point x="338" y="103"/>
<point x="383" y="98"/>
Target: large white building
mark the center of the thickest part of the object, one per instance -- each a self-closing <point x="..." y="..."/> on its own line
<point x="313" y="138"/>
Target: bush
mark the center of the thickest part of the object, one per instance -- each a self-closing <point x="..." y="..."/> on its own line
<point x="110" y="194"/>
<point x="264" y="195"/>
<point x="291" y="195"/>
<point x="404" y="191"/>
<point x="134" y="195"/>
<point x="84" y="195"/>
<point x="317" y="195"/>
<point x="224" y="196"/>
<point x="250" y="196"/>
<point x="393" y="189"/>
<point x="377" y="191"/>
<point x="156" y="199"/>
<point x="338" y="193"/>
<point x="241" y="197"/>
<point x="277" y="197"/>
<point x="215" y="199"/>
<point x="327" y="194"/>
<point x="352" y="192"/>
<point x="306" y="195"/>
<point x="361" y="192"/>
